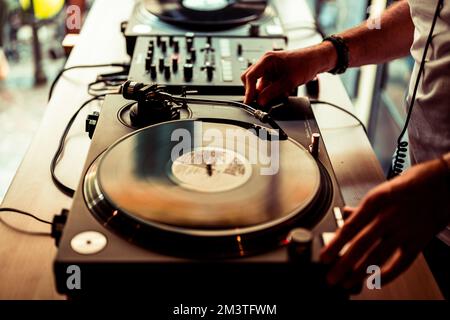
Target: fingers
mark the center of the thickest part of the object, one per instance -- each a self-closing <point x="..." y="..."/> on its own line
<point x="362" y="216"/>
<point x="381" y="252"/>
<point x="250" y="78"/>
<point x="400" y="263"/>
<point x="347" y="212"/>
<point x="358" y="249"/>
<point x="271" y="92"/>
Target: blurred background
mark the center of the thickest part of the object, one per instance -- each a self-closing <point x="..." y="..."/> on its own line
<point x="34" y="45"/>
<point x="35" y="42"/>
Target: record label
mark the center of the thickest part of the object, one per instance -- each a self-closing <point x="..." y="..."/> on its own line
<point x="211" y="169"/>
<point x="205" y="5"/>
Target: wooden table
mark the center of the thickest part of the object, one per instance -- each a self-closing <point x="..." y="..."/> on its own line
<point x="26" y="261"/>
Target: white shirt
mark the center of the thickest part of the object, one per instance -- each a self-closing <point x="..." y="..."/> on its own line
<point x="429" y="129"/>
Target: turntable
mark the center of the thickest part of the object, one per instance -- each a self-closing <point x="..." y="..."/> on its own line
<point x="204" y="196"/>
<point x="217" y="18"/>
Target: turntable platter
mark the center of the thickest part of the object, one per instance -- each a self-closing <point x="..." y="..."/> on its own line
<point x="211" y="14"/>
<point x="208" y="190"/>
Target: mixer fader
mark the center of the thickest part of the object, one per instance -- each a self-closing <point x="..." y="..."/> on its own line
<point x="210" y="65"/>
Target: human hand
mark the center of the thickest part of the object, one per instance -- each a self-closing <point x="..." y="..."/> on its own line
<point x="278" y="73"/>
<point x="392" y="225"/>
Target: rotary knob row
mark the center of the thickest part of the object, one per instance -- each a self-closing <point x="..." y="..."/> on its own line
<point x="163" y="44"/>
<point x="166" y="69"/>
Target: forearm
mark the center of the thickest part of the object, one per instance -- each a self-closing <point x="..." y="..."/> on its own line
<point x="373" y="46"/>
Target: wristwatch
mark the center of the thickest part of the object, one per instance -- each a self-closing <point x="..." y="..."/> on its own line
<point x="342" y="51"/>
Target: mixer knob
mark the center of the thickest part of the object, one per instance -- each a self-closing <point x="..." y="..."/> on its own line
<point x="300" y="245"/>
<point x="175" y="64"/>
<point x="189" y="44"/>
<point x="158" y="40"/>
<point x="209" y="71"/>
<point x="167" y="72"/>
<point x="189" y="35"/>
<point x="193" y="54"/>
<point x="171" y="40"/>
<point x="153" y="72"/>
<point x="189" y="40"/>
<point x="188" y="71"/>
<point x="239" y="49"/>
<point x="161" y="64"/>
<point x="254" y="30"/>
<point x="149" y="55"/>
<point x="176" y="46"/>
<point x="209" y="40"/>
<point x="148" y="62"/>
<point x="163" y="46"/>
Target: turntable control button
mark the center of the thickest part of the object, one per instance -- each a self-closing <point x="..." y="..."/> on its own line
<point x="188" y="71"/>
<point x="254" y="30"/>
<point x="300" y="245"/>
<point x="227" y="71"/>
<point x="175" y="64"/>
<point x="153" y="72"/>
<point x="315" y="144"/>
<point x="277" y="46"/>
<point x="176" y="46"/>
<point x="239" y="49"/>
<point x="161" y="64"/>
<point x="167" y="72"/>
<point x="224" y="48"/>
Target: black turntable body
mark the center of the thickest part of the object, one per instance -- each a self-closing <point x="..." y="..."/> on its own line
<point x="189" y="193"/>
<point x="122" y="247"/>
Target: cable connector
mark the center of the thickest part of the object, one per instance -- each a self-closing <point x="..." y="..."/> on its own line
<point x="58" y="224"/>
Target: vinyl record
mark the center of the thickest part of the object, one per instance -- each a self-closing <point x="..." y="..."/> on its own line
<point x="219" y="183"/>
<point x="210" y="14"/>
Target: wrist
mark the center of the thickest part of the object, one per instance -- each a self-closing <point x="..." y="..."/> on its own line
<point x="326" y="55"/>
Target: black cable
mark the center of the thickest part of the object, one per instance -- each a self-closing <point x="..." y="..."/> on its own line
<point x="52" y="87"/>
<point x="343" y="110"/>
<point x="61" y="186"/>
<point x="32" y="233"/>
<point x="402" y="146"/>
<point x="109" y="86"/>
<point x="25" y="214"/>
